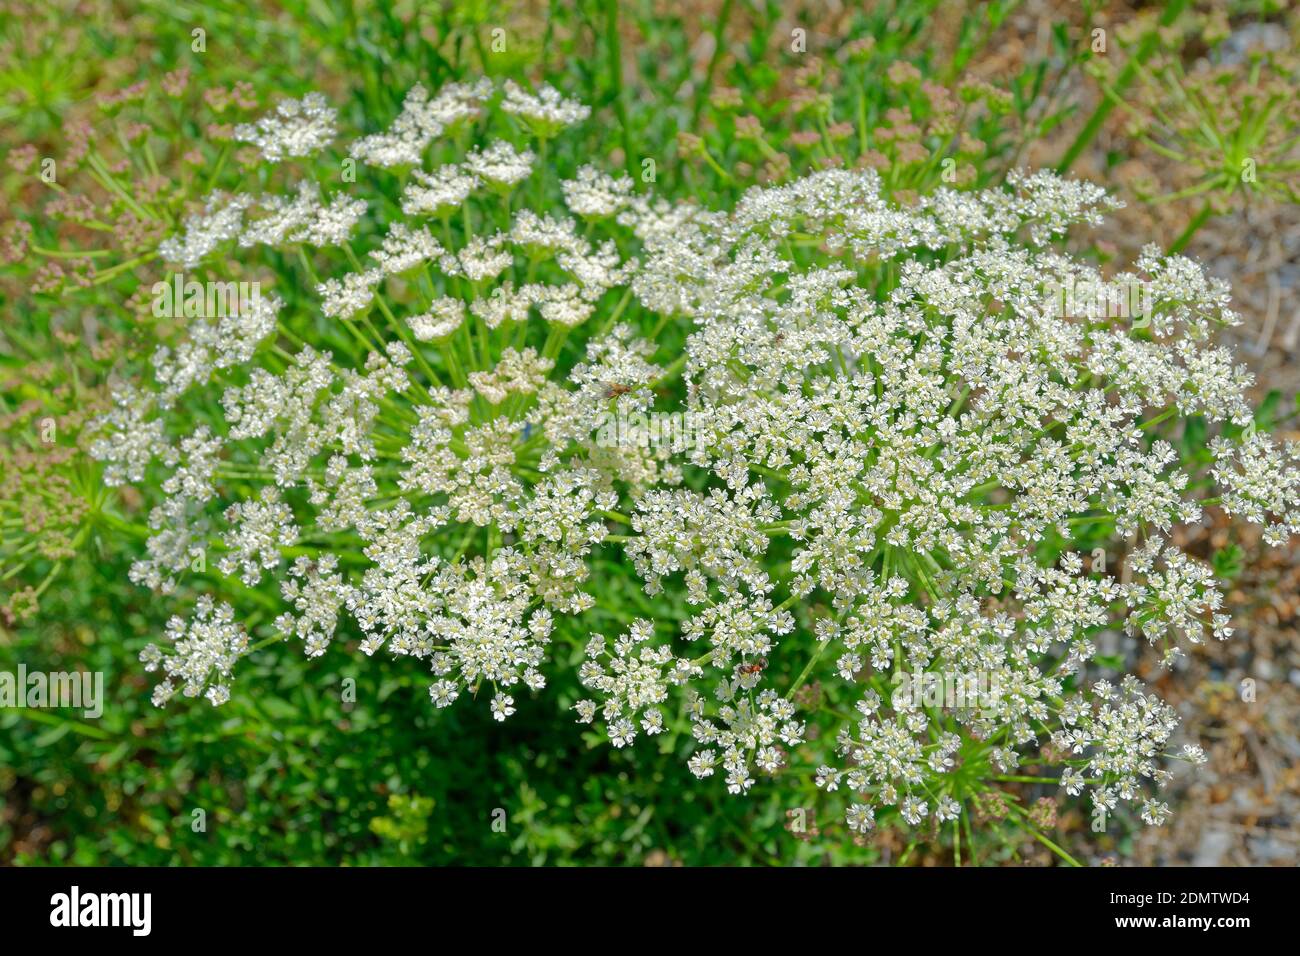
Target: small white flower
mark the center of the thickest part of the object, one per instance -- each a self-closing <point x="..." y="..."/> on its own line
<point x="503" y="705"/>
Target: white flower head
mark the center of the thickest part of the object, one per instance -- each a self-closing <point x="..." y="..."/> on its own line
<point x="500" y="164"/>
<point x="546" y="111"/>
<point x="296" y="128"/>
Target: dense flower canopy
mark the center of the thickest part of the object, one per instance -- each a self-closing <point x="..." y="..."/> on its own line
<point x="896" y="434"/>
<point x="912" y="412"/>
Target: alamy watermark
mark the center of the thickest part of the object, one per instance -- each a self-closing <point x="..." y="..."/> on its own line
<point x="677" y="431"/>
<point x="1121" y="299"/>
<point x="83" y="690"/>
<point x="204" y="300"/>
<point x="971" y="690"/>
<point x="75" y="908"/>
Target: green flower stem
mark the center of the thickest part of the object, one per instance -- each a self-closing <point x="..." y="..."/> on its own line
<point x="401" y="331"/>
<point x="803" y="675"/>
<point x="713" y="164"/>
<point x="71" y="254"/>
<point x="614" y="70"/>
<point x="670" y="372"/>
<point x="1162" y="417"/>
<point x="618" y="312"/>
<point x="1038" y="835"/>
<point x="719" y="43"/>
<point x="970" y="836"/>
<point x="1171" y="12"/>
<point x="109" y="275"/>
<point x="1184" y="237"/>
<point x="99" y="172"/>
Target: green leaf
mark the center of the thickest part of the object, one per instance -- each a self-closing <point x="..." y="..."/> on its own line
<point x="1266" y="414"/>
<point x="1228" y="562"/>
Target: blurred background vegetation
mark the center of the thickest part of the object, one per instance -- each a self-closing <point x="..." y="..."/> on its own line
<point x="721" y="94"/>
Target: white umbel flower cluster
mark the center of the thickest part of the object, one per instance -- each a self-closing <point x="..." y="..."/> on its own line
<point x="423" y="119"/>
<point x="377" y="481"/>
<point x="202" y="653"/>
<point x="897" y="431"/>
<point x="899" y="438"/>
<point x="296" y="128"/>
<point x="546" y="112"/>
